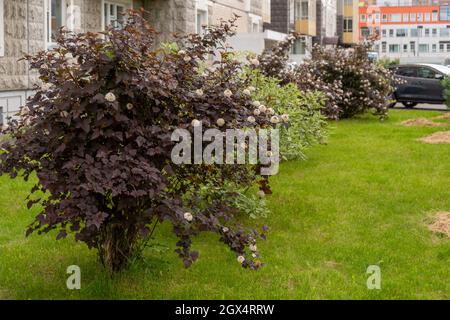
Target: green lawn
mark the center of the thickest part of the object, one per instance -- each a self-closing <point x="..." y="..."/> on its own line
<point x="364" y="199"/>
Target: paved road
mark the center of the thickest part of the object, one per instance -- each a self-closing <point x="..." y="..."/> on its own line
<point x="426" y="107"/>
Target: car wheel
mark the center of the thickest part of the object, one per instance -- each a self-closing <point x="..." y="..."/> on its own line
<point x="409" y="104"/>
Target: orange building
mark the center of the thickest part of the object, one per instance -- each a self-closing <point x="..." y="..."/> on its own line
<point x="409" y="30"/>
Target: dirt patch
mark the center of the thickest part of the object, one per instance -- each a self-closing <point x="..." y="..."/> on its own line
<point x="423" y="123"/>
<point x="445" y="116"/>
<point x="441" y="224"/>
<point x="441" y="137"/>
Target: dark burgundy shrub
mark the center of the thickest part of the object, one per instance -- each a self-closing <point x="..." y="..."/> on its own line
<point x="97" y="134"/>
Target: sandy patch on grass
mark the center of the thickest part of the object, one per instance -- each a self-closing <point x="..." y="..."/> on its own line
<point x="440" y="137"/>
<point x="441" y="224"/>
<point x="423" y="123"/>
<point x="445" y="116"/>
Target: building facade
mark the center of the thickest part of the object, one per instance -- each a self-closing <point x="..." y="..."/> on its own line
<point x="314" y="20"/>
<point x="348" y="21"/>
<point x="29" y="26"/>
<point x="412" y="31"/>
<point x="253" y="14"/>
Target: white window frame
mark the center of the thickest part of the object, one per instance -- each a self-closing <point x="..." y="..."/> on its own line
<point x="48" y="26"/>
<point x="126" y="6"/>
<point x="2" y="30"/>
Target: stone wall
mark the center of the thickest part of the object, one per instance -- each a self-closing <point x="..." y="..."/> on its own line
<point x="20" y="16"/>
<point x="171" y="16"/>
<point x="24" y="28"/>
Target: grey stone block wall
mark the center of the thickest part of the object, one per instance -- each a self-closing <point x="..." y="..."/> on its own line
<point x="171" y="16"/>
<point x="25" y="30"/>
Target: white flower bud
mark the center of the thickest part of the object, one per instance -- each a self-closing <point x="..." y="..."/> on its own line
<point x="110" y="97"/>
<point x="262" y="108"/>
<point x="285" y="117"/>
<point x="129" y="106"/>
<point x="220" y="122"/>
<point x="199" y="92"/>
<point x="254" y="62"/>
<point x="241" y="259"/>
<point x="188" y="216"/>
<point x="256" y="104"/>
<point x="253" y="247"/>
<point x="196" y="123"/>
<point x="251" y="119"/>
<point x="227" y="93"/>
<point x="275" y="119"/>
<point x="246" y="92"/>
<point x="261" y="194"/>
<point x="256" y="112"/>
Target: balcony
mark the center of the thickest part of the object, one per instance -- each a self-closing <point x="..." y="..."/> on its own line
<point x="306" y="27"/>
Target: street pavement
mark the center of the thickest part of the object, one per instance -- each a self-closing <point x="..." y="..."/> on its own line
<point x="424" y="106"/>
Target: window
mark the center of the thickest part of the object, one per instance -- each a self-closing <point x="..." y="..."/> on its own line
<point x="414" y="32"/>
<point x="55" y="11"/>
<point x="427" y="16"/>
<point x="113" y="14"/>
<point x="2" y="31"/>
<point x="299" y="46"/>
<point x="394" y="48"/>
<point x="445" y="13"/>
<point x="407" y="72"/>
<point x="434" y="32"/>
<point x="427" y="73"/>
<point x="413" y="17"/>
<point x="383" y="47"/>
<point x="420" y="17"/>
<point x="202" y="19"/>
<point x="434" y="48"/>
<point x="363" y="18"/>
<point x="377" y="17"/>
<point x="255" y="27"/>
<point x="302" y="10"/>
<point x="396" y="17"/>
<point x="441" y="47"/>
<point x="384" y="18"/>
<point x="369" y="18"/>
<point x="348" y="24"/>
<point x="391" y="32"/>
<point x="434" y="16"/>
<point x="406" y="17"/>
<point x="427" y="32"/>
<point x="412" y="46"/>
<point x="402" y="32"/>
<point x="384" y="33"/>
<point x="365" y="32"/>
<point x="424" y="48"/>
<point x="405" y="48"/>
<point x="448" y="47"/>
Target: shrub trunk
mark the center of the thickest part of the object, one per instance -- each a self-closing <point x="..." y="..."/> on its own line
<point x="117" y="246"/>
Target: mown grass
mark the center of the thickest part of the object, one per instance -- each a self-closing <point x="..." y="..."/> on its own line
<point x="364" y="199"/>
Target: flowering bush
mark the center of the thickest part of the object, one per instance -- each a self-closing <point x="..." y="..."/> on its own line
<point x="97" y="134"/>
<point x="351" y="83"/>
<point x="301" y="112"/>
<point x="446" y="85"/>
